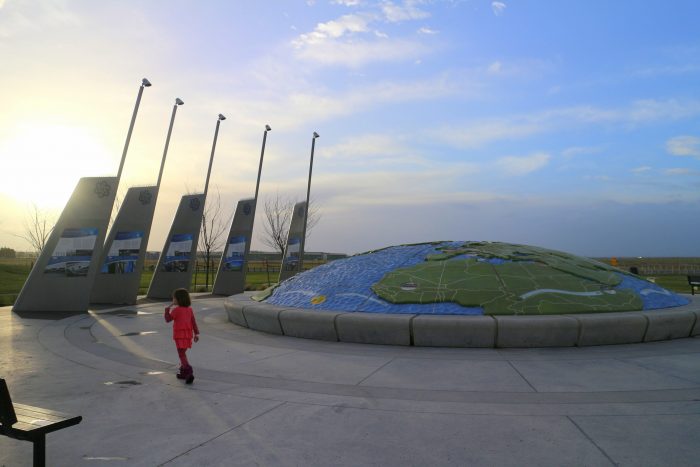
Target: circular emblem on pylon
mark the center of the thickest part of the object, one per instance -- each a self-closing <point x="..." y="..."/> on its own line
<point x="247" y="209"/>
<point x="102" y="189"/>
<point x="145" y="197"/>
<point x="195" y="204"/>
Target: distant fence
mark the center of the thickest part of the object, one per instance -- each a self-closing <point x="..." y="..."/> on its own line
<point x="667" y="269"/>
<point x="657" y="266"/>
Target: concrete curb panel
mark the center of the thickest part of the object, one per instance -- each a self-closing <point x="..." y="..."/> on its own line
<point x="669" y="324"/>
<point x="696" y="327"/>
<point x="454" y="331"/>
<point x="234" y="310"/>
<point x="309" y="324"/>
<point x="264" y="318"/>
<point x="536" y="331"/>
<point x="611" y="328"/>
<point x="374" y="328"/>
<point x="467" y="331"/>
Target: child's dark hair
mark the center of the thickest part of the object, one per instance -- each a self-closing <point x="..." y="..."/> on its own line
<point x="182" y="297"/>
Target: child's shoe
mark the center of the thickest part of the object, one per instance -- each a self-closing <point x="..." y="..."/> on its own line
<point x="181" y="374"/>
<point x="189" y="375"/>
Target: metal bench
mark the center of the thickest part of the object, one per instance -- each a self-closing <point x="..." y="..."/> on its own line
<point x="27" y="423"/>
<point x="694" y="282"/>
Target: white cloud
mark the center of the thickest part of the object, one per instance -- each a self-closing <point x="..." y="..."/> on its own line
<point x="678" y="171"/>
<point x="478" y="133"/>
<point x="598" y="178"/>
<point x="368" y="145"/>
<point x="334" y="29"/>
<point x="358" y="53"/>
<point x="406" y="12"/>
<point x="371" y="188"/>
<point x="352" y="41"/>
<point x="573" y="151"/>
<point x="32" y="17"/>
<point x="347" y="2"/>
<point x="495" y="67"/>
<point x="426" y="30"/>
<point x="651" y="110"/>
<point x="684" y="146"/>
<point x="523" y="165"/>
<point x="498" y="8"/>
<point x="294" y="109"/>
<point x="638" y="170"/>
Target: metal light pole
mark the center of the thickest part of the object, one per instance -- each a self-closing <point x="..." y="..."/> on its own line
<point x="144" y="84"/>
<point x="306" y="211"/>
<point x="262" y="153"/>
<point x="211" y="158"/>
<point x="178" y="102"/>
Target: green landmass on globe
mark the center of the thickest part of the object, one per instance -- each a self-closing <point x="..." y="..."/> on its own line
<point x="528" y="280"/>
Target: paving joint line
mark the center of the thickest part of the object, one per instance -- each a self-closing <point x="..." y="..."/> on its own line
<point x="522" y="376"/>
<point x="602" y="451"/>
<point x="656" y="370"/>
<point x="374" y="372"/>
<point x="222" y="434"/>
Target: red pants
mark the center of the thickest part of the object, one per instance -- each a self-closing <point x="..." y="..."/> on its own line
<point x="182" y="353"/>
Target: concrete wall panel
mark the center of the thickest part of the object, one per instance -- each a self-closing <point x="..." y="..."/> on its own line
<point x="669" y="324"/>
<point x="536" y="331"/>
<point x="454" y="331"/>
<point x="309" y="324"/>
<point x="374" y="328"/>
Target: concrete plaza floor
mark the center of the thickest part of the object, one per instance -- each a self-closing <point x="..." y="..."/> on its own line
<point x="268" y="400"/>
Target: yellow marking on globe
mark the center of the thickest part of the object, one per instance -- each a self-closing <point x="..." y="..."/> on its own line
<point x="318" y="299"/>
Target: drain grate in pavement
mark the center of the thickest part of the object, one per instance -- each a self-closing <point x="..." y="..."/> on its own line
<point x="128" y="382"/>
<point x="104" y="458"/>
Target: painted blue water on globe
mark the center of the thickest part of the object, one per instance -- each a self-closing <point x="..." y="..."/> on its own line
<point x="345" y="284"/>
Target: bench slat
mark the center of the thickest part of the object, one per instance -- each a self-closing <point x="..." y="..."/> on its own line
<point x="34" y="421"/>
<point x="28" y="428"/>
<point x="28" y="412"/>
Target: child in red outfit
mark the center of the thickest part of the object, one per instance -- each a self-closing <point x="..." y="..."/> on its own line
<point x="184" y="329"/>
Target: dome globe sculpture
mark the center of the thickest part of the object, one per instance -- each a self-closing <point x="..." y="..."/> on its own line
<point x="469" y="278"/>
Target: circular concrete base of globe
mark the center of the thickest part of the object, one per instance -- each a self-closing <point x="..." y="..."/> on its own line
<point x="563" y="330"/>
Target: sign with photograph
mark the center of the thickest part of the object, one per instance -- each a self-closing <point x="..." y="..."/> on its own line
<point x="291" y="258"/>
<point x="177" y="258"/>
<point x="123" y="254"/>
<point x="235" y="254"/>
<point x="73" y="252"/>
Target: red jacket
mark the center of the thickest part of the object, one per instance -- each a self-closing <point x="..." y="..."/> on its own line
<point x="184" y="324"/>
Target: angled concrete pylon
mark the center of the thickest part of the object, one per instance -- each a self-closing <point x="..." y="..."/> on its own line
<point x="293" y="253"/>
<point x="230" y="276"/>
<point x="62" y="276"/>
<point x="123" y="257"/>
<point x="176" y="262"/>
<point x="121" y="262"/>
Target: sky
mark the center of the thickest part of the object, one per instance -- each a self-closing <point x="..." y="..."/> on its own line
<point x="572" y="125"/>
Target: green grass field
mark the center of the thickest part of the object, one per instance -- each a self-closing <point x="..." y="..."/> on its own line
<point x="13" y="273"/>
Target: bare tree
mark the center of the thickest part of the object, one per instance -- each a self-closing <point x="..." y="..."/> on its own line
<point x="278" y="215"/>
<point x="37" y="227"/>
<point x="212" y="235"/>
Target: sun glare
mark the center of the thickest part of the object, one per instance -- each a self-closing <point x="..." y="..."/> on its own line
<point x="43" y="163"/>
